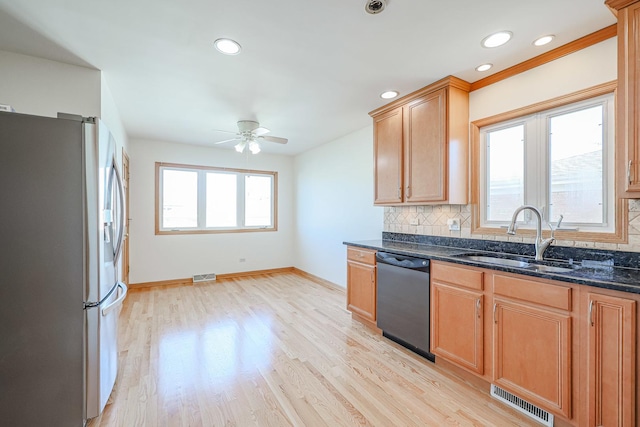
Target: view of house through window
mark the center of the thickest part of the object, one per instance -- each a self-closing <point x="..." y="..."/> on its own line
<point x="559" y="160"/>
<point x="204" y="199"/>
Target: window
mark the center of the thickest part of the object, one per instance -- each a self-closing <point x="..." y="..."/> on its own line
<point x="557" y="156"/>
<point x="199" y="199"/>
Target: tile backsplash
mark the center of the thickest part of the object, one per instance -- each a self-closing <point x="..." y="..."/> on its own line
<point x="432" y="221"/>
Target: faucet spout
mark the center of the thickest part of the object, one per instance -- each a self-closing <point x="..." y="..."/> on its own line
<point x="541" y="245"/>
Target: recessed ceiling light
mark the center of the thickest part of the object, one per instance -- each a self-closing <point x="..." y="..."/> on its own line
<point x="483" y="67"/>
<point x="389" y="94"/>
<point x="227" y="46"/>
<point x="543" y="40"/>
<point x="497" y="39"/>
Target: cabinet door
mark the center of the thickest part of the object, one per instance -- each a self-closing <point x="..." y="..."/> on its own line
<point x="426" y="148"/>
<point x="361" y="290"/>
<point x="611" y="360"/>
<point x="387" y="157"/>
<point x="532" y="354"/>
<point x="628" y="112"/>
<point x="457" y="326"/>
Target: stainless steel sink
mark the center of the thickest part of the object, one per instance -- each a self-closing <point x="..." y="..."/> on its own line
<point x="549" y="268"/>
<point x="508" y="262"/>
<point x="499" y="261"/>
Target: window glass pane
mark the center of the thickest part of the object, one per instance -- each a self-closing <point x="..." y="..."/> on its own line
<point x="222" y="196"/>
<point x="179" y="199"/>
<point x="257" y="201"/>
<point x="576" y="156"/>
<point x="505" y="186"/>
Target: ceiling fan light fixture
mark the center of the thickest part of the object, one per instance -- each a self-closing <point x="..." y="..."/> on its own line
<point x="496" y="39"/>
<point x="227" y="46"/>
<point x="240" y="146"/>
<point x="254" y="147"/>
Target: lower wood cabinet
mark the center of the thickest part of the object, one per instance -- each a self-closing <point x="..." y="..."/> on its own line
<point x="532" y="341"/>
<point x="361" y="283"/>
<point x="457" y="330"/>
<point x="532" y="354"/>
<point x="611" y="357"/>
<point x="572" y="350"/>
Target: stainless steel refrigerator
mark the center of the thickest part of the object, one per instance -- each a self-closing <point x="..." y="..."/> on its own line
<point x="61" y="230"/>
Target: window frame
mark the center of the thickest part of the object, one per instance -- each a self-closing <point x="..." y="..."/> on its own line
<point x="617" y="234"/>
<point x="201" y="205"/>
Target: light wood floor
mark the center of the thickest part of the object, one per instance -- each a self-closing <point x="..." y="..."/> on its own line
<point x="275" y="350"/>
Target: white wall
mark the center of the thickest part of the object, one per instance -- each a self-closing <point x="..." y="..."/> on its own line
<point x="334" y="203"/>
<point x="44" y="88"/>
<point x="583" y="69"/>
<point x="111" y="116"/>
<point x="167" y="257"/>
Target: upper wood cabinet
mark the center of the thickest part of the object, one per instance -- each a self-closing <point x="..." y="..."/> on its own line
<point x="628" y="113"/>
<point x="421" y="146"/>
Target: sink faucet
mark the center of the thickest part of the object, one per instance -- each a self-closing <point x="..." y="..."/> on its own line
<point x="540" y="243"/>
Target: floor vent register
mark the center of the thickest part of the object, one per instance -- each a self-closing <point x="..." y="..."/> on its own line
<point x="521" y="405"/>
<point x="204" y="277"/>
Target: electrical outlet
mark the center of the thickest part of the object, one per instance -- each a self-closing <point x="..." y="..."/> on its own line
<point x="414" y="221"/>
<point x="454" y="224"/>
<point x="243" y="259"/>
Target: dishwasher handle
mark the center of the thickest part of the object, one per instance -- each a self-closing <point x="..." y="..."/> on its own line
<point x="403" y="261"/>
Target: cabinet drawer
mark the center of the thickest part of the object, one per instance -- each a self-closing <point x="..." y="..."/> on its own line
<point x="537" y="292"/>
<point x="461" y="276"/>
<point x="365" y="256"/>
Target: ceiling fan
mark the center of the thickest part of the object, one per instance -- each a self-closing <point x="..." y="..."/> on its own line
<point x="250" y="134"/>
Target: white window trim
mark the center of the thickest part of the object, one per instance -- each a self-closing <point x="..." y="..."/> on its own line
<point x="536" y="191"/>
<point x="201" y="208"/>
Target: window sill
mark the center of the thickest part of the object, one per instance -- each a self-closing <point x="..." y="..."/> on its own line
<point x="239" y="230"/>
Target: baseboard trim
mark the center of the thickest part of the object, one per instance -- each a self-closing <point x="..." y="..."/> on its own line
<point x="189" y="281"/>
<point x="174" y="282"/>
<point x="319" y="280"/>
<point x="254" y="273"/>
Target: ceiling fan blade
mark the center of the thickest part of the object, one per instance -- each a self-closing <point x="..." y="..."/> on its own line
<point x="260" y="131"/>
<point x="226" y="140"/>
<point x="224" y="131"/>
<point x="275" y="139"/>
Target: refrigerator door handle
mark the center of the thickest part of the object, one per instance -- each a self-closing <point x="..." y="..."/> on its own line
<point x="121" y="218"/>
<point x="115" y="304"/>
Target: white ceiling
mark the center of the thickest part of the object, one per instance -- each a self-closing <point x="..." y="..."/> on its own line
<point x="309" y="71"/>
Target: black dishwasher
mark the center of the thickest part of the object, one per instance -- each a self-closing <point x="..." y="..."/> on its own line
<point x="403" y="301"/>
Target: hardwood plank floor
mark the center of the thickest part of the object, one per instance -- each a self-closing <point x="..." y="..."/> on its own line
<point x="276" y="350"/>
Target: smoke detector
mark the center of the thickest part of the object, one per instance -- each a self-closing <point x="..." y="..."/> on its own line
<point x="375" y="6"/>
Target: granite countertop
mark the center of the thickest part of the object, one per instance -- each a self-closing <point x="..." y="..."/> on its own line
<point x="617" y="278"/>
